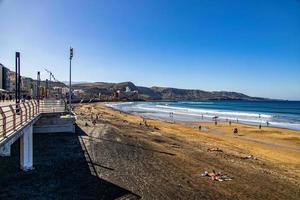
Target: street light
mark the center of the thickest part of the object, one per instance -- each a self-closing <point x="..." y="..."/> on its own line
<point x="70" y="99"/>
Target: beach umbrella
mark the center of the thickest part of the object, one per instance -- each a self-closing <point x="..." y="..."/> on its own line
<point x="215" y="117"/>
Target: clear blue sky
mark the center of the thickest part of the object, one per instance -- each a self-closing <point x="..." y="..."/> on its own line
<point x="248" y="46"/>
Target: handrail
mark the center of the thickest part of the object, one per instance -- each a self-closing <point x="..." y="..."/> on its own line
<point x="14" y="116"/>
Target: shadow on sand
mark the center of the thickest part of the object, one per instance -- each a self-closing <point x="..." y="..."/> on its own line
<point x="63" y="170"/>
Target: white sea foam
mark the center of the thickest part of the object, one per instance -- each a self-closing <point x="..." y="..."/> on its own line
<point x="216" y="112"/>
<point x="115" y="105"/>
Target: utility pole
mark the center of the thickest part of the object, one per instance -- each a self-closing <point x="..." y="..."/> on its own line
<point x="70" y="84"/>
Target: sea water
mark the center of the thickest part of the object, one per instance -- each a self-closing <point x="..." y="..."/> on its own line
<point x="283" y="114"/>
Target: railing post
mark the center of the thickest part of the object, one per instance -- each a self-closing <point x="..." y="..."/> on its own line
<point x="32" y="107"/>
<point x="3" y="122"/>
<point x="36" y="106"/>
<point x="21" y="114"/>
<point x="65" y="104"/>
<point x="14" y="116"/>
<point x="25" y="112"/>
<point x="29" y="110"/>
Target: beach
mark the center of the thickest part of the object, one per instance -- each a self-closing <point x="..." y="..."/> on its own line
<point x="158" y="159"/>
<point x="116" y="155"/>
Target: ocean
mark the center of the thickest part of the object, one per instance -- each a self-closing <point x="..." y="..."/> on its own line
<point x="283" y="114"/>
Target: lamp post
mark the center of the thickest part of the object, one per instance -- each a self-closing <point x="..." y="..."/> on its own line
<point x="70" y="92"/>
<point x="38" y="82"/>
<point x="18" y="82"/>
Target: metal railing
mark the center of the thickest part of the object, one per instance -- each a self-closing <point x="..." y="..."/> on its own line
<point x="14" y="116"/>
<point x="52" y="106"/>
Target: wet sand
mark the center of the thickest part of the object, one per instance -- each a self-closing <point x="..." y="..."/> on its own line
<point x="161" y="160"/>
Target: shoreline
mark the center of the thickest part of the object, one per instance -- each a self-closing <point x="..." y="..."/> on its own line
<point x="189" y="115"/>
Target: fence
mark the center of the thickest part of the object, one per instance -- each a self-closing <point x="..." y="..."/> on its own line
<point x="14" y="116"/>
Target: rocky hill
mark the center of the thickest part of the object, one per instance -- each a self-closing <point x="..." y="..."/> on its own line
<point x="157" y="93"/>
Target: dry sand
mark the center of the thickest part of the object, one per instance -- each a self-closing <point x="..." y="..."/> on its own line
<point x="162" y="160"/>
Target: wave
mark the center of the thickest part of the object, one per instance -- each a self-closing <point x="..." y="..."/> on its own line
<point x="217" y="112"/>
<point x="118" y="104"/>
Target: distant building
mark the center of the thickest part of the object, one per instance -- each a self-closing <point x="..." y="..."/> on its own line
<point x="127" y="89"/>
<point x="12" y="78"/>
<point x="4" y="78"/>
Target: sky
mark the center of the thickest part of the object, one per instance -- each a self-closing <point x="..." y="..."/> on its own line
<point x="248" y="46"/>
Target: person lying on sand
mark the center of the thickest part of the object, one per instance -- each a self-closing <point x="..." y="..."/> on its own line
<point x="216" y="176"/>
<point x="250" y="157"/>
<point x="214" y="149"/>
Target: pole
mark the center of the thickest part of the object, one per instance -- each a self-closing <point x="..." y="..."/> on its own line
<point x="46" y="92"/>
<point x="70" y="83"/>
<point x="16" y="78"/>
<point x="38" y="86"/>
<point x="49" y="88"/>
<point x="19" y="78"/>
<point x="17" y="81"/>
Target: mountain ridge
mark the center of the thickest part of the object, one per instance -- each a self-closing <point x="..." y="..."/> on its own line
<point x="127" y="89"/>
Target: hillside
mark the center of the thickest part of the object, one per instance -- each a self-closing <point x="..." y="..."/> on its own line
<point x="156" y="93"/>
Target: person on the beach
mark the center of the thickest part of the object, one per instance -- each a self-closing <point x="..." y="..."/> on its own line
<point x="259" y="126"/>
<point x="235" y="131"/>
<point x="230" y="123"/>
<point x="268" y="123"/>
<point x="200" y="127"/>
<point x="145" y="122"/>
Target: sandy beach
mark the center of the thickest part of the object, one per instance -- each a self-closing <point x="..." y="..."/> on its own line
<point x="157" y="159"/>
<point x="115" y="155"/>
